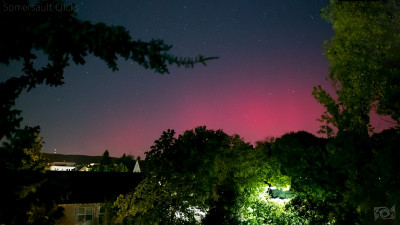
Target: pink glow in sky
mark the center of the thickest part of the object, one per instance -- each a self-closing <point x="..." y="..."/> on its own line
<point x="270" y="57"/>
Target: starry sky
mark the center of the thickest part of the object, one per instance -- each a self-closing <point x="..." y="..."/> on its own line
<point x="270" y="56"/>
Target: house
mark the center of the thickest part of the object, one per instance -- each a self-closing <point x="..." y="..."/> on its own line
<point x="84" y="169"/>
<point x="87" y="197"/>
<point x="62" y="166"/>
<point x="86" y="214"/>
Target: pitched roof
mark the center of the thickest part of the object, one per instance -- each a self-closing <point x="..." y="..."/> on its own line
<point x="137" y="167"/>
<point x="86" y="187"/>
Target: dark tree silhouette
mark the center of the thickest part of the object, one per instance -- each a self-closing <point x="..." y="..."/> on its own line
<point x="65" y="39"/>
<point x="106" y="164"/>
<point x="128" y="161"/>
<point x="106" y="159"/>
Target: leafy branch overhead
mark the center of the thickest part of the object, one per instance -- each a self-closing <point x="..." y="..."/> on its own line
<point x="63" y="37"/>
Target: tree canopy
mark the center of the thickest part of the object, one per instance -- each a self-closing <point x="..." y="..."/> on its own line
<point x="364" y="56"/>
<point x="177" y="178"/>
<point x="365" y="72"/>
<point x="203" y="176"/>
<point x="124" y="164"/>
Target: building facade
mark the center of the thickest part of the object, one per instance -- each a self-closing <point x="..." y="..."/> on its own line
<point x="86" y="214"/>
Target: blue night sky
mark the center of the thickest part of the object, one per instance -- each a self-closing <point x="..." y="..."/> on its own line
<point x="270" y="56"/>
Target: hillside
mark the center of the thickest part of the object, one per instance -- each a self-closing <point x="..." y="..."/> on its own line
<point x="78" y="159"/>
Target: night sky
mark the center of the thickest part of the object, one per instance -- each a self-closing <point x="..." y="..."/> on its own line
<point x="270" y="56"/>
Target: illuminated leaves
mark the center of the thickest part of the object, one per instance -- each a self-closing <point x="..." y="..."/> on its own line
<point x="178" y="180"/>
<point x="202" y="169"/>
<point x="364" y="71"/>
<point x="365" y="41"/>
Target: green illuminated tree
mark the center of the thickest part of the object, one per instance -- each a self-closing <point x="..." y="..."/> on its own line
<point x="364" y="56"/>
<point x="178" y="180"/>
<point x="207" y="170"/>
<point x="314" y="182"/>
<point x="202" y="170"/>
<point x="365" y="72"/>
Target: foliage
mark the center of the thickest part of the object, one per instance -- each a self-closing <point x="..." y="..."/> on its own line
<point x="304" y="158"/>
<point x="121" y="168"/>
<point x="22" y="173"/>
<point x="328" y="177"/>
<point x="122" y="164"/>
<point x="106" y="159"/>
<point x="22" y="151"/>
<point x="127" y="161"/>
<point x="65" y="39"/>
<point x="378" y="181"/>
<point x="177" y="182"/>
<point x="230" y="182"/>
<point x="248" y="172"/>
<point x="105" y="165"/>
<point x="269" y="212"/>
<point x="62" y="37"/>
<point x="364" y="56"/>
<point x="332" y="181"/>
<point x="235" y="172"/>
<point x="208" y="173"/>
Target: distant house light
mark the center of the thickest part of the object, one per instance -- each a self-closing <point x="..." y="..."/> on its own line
<point x="63" y="166"/>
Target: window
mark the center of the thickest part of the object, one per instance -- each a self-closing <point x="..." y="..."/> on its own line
<point x="84" y="215"/>
<point x="101" y="215"/>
